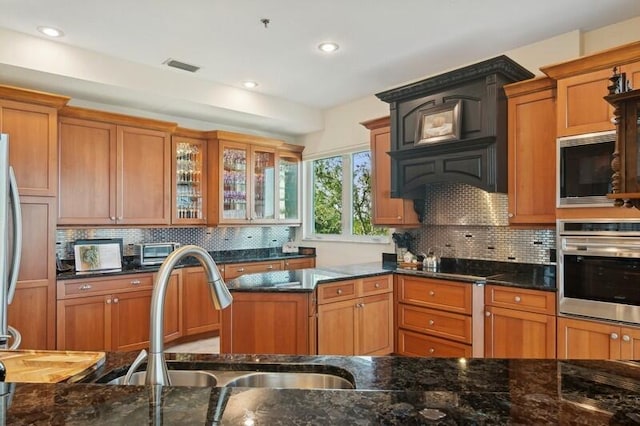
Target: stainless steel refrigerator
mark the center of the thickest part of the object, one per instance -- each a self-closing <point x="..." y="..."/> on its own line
<point x="10" y="244"/>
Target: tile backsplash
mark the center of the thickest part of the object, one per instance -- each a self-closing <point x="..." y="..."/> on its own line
<point x="467" y="222"/>
<point x="212" y="239"/>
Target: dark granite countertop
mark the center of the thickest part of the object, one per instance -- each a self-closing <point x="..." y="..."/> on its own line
<point x="389" y="390"/>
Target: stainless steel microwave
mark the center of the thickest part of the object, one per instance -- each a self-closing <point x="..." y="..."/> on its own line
<point x="584" y="169"/>
<point x="156" y="253"/>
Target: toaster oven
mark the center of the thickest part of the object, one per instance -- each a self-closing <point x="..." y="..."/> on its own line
<point x="155" y="253"/>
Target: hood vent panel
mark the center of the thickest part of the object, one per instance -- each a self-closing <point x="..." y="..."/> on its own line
<point x="473" y="150"/>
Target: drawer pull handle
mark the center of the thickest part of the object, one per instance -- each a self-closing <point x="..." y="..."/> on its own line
<point x="270" y="267"/>
<point x="377" y="285"/>
<point x="240" y="270"/>
<point x="85" y="287"/>
<point x="614" y="336"/>
<point x="339" y="291"/>
<point x="517" y="299"/>
<point x="432" y="293"/>
<point x="431" y="350"/>
<point x="626" y="338"/>
<point x="135" y="282"/>
<point x="431" y="322"/>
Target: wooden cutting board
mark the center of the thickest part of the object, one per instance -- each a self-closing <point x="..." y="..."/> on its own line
<point x="31" y="366"/>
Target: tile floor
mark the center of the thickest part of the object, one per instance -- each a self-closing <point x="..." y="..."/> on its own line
<point x="204" y="346"/>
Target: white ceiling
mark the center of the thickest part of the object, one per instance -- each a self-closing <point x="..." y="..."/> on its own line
<point x="113" y="51"/>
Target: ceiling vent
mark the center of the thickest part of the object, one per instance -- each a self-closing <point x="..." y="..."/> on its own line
<point x="181" y="65"/>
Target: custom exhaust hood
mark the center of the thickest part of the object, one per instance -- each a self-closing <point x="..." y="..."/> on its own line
<point x="452" y="128"/>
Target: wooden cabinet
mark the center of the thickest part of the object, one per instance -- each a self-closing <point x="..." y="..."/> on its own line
<point x="32" y="311"/>
<point x="32" y="131"/>
<point x="189" y="179"/>
<point x="532" y="152"/>
<point x="257" y="180"/>
<point x="386" y="210"/>
<point x="124" y="170"/>
<point x="434" y="317"/>
<point x="582" y="84"/>
<point x="112" y="313"/>
<point x="519" y="323"/>
<point x="355" y="317"/>
<point x="583" y="339"/>
<point x="199" y="315"/>
<point x="234" y="270"/>
<point x="30" y="119"/>
<point x="299" y="263"/>
<point x="267" y="323"/>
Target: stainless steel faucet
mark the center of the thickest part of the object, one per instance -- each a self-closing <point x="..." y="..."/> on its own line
<point x="220" y="296"/>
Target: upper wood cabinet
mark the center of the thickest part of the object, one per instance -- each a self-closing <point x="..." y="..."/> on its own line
<point x="30" y="120"/>
<point x="112" y="173"/>
<point x="189" y="180"/>
<point x="532" y="152"/>
<point x="386" y="210"/>
<point x="258" y="180"/>
<point x="582" y="85"/>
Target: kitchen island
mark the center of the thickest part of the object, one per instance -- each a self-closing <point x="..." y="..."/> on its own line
<point x="388" y="390"/>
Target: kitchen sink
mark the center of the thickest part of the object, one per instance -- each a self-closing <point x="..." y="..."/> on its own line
<point x="177" y="378"/>
<point x="282" y="380"/>
<point x="277" y="376"/>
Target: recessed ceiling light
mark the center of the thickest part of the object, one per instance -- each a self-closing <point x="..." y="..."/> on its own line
<point x="249" y="84"/>
<point x="328" y="47"/>
<point x="51" y="31"/>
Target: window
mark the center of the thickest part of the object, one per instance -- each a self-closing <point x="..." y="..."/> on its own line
<point x="339" y="199"/>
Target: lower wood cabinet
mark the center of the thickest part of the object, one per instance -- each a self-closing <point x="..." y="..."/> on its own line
<point x="433" y="317"/>
<point x="267" y="323"/>
<point x="584" y="339"/>
<point x="355" y="317"/>
<point x="198" y="313"/>
<point x="111" y="314"/>
<point x="519" y="323"/>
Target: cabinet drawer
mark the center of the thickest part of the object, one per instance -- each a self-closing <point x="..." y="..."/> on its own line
<point x="415" y="344"/>
<point x="438" y="294"/>
<point x="300" y="263"/>
<point x="543" y="302"/>
<point x="235" y="270"/>
<point x="376" y="285"/>
<point x="438" y="323"/>
<point x="97" y="286"/>
<point x="341" y="290"/>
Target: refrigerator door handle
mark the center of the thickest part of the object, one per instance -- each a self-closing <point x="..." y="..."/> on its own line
<point x="17" y="235"/>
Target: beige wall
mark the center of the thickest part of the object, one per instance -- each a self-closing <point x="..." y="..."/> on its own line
<point x="342" y="129"/>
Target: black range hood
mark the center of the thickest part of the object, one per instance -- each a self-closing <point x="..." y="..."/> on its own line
<point x="452" y="128"/>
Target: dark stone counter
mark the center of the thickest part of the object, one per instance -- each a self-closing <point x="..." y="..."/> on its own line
<point x="389" y="390"/>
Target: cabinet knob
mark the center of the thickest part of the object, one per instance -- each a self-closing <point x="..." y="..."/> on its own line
<point x="399" y="217"/>
<point x="377" y="285"/>
<point x="431" y="322"/>
<point x="432" y="293"/>
<point x="270" y="267"/>
<point x="135" y="282"/>
<point x="339" y="291"/>
<point x="240" y="269"/>
<point x="113" y="218"/>
<point x="108" y="301"/>
<point x="487" y="314"/>
<point x="85" y="287"/>
<point x="517" y="299"/>
<point x="626" y="338"/>
<point x="510" y="214"/>
<point x="119" y="217"/>
<point x="115" y="300"/>
<point x="614" y="336"/>
<point x="431" y="350"/>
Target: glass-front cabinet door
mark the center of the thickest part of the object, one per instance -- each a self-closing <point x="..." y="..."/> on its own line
<point x="235" y="179"/>
<point x="188" y="180"/>
<point x="263" y="184"/>
<point x="289" y="187"/>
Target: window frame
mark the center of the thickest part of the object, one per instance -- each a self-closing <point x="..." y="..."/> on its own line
<point x="347" y="200"/>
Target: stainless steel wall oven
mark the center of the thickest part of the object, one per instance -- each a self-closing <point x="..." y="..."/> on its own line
<point x="599" y="269"/>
